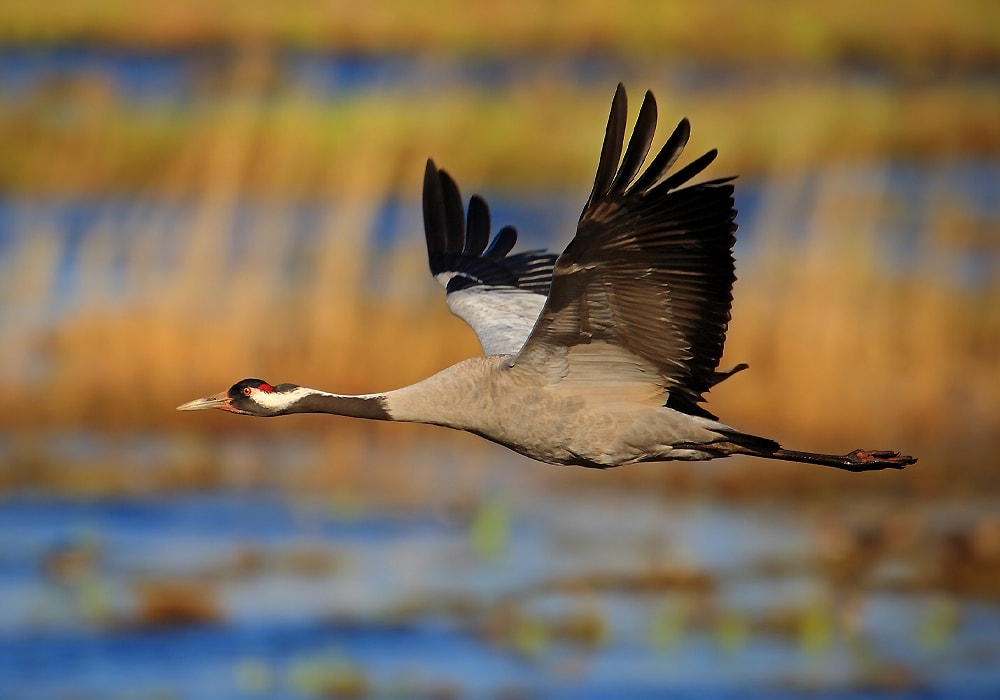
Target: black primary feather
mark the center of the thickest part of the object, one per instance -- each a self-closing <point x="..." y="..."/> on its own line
<point x="458" y="244"/>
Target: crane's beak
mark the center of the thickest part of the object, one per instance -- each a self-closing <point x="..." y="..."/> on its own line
<point x="220" y="400"/>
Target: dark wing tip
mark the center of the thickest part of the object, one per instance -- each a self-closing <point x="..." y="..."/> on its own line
<point x="638" y="146"/>
<point x="454" y="213"/>
<point x="444" y="215"/>
<point x="434" y="218"/>
<point x="459" y="241"/>
<point x="665" y="159"/>
<point x="477" y="227"/>
<point x="617" y="173"/>
<point x="686" y="173"/>
<point x="502" y="243"/>
<point x="611" y="149"/>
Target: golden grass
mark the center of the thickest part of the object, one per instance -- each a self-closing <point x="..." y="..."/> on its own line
<point x="840" y="350"/>
<point x="84" y="140"/>
<point x="935" y="32"/>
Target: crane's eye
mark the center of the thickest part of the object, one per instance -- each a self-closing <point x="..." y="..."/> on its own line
<point x="247" y="391"/>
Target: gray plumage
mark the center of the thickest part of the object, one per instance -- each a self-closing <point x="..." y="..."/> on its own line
<point x="600" y="357"/>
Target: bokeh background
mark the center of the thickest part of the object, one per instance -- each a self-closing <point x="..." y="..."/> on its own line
<point x="198" y="191"/>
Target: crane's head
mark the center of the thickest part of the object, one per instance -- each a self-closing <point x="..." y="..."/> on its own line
<point x="249" y="397"/>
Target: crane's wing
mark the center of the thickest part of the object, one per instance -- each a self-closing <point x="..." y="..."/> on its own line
<point x="498" y="295"/>
<point x="643" y="291"/>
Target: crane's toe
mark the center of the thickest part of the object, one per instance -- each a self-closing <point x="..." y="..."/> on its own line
<point x="865" y="460"/>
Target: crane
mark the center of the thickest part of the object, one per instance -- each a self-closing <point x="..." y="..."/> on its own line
<point x="598" y="357"/>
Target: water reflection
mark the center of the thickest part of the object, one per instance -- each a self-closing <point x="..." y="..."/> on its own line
<point x="530" y="589"/>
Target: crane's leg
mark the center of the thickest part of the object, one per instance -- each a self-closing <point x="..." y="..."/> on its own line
<point x="856" y="461"/>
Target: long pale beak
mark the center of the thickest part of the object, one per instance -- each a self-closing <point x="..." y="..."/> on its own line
<point x="220" y="400"/>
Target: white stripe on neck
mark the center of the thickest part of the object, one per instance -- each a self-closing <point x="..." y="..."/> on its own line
<point x="278" y="400"/>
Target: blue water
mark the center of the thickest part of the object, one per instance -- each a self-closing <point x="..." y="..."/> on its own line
<point x="403" y="604"/>
<point x="307" y="597"/>
<point x="179" y="76"/>
<point x="151" y="75"/>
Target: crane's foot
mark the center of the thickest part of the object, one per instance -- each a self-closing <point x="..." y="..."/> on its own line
<point x="866" y="460"/>
<point x="856" y="461"/>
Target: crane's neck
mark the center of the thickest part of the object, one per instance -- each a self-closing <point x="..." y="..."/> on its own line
<point x="306" y="400"/>
<point x="454" y="397"/>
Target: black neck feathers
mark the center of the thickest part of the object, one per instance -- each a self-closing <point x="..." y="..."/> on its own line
<point x="371" y="407"/>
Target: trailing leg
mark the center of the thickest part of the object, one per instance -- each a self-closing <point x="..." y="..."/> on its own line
<point x="855" y="461"/>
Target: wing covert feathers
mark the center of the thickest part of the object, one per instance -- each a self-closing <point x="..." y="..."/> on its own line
<point x="650" y="268"/>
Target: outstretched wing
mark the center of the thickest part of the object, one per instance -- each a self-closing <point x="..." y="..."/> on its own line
<point x="643" y="291"/>
<point x="498" y="295"/>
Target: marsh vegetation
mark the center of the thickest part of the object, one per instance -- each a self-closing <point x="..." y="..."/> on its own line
<point x="211" y="194"/>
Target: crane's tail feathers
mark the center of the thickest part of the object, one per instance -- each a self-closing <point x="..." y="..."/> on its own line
<point x="856" y="461"/>
<point x="718" y="377"/>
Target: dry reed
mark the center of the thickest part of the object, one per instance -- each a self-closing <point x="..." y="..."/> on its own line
<point x="297" y="145"/>
<point x="933" y="34"/>
<point x="840" y="348"/>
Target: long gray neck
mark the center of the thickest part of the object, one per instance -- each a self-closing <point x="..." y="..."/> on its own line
<point x="371" y="406"/>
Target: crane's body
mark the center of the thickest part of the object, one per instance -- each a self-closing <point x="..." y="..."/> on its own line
<point x="553" y="422"/>
<point x="598" y="357"/>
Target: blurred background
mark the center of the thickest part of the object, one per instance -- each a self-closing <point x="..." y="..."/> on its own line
<point x="199" y="191"/>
